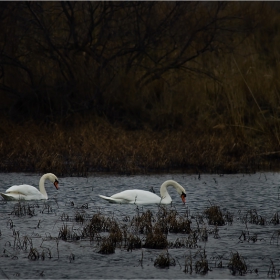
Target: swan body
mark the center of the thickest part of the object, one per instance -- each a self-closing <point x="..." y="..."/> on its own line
<point x="27" y="192"/>
<point x="141" y="197"/>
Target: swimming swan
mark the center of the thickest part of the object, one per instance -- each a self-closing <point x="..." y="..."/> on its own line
<point x="146" y="197"/>
<point x="27" y="192"/>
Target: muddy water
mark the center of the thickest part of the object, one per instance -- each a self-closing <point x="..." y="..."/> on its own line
<point x="37" y="228"/>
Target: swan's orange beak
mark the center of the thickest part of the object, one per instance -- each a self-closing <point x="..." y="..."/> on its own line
<point x="183" y="196"/>
<point x="56" y="184"/>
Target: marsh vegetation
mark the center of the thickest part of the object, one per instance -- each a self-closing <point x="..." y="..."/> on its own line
<point x="139" y="87"/>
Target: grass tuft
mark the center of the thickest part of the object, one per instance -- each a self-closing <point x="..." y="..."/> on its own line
<point x="215" y="216"/>
<point x="164" y="260"/>
<point x="107" y="246"/>
<point x="237" y="264"/>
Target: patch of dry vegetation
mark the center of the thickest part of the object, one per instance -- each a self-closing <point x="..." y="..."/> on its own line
<point x="106" y="234"/>
<point x="91" y="147"/>
<point x="237" y="264"/>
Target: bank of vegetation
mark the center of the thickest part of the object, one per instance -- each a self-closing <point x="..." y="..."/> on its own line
<point x="139" y="87"/>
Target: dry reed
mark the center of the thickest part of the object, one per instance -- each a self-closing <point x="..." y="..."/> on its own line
<point x="103" y="148"/>
<point x="164" y="260"/>
<point x="237" y="264"/>
<point x="215" y="215"/>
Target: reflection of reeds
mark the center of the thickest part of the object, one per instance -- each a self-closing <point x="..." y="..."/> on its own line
<point x="188" y="264"/>
<point x="271" y="271"/>
<point x="34" y="254"/>
<point x="251" y="216"/>
<point x="21" y="209"/>
<point x="275" y="235"/>
<point x="275" y="219"/>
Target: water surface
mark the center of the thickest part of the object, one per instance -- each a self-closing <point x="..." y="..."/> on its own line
<point x="79" y="259"/>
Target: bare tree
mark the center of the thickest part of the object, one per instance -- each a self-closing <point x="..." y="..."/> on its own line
<point x="62" y="50"/>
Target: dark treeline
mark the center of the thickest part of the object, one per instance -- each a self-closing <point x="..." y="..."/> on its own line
<point x="205" y="68"/>
<point x="58" y="58"/>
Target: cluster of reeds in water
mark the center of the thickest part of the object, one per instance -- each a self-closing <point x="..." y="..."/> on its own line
<point x="147" y="229"/>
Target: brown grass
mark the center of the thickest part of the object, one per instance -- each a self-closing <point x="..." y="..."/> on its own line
<point x="237" y="264"/>
<point x="164" y="260"/>
<point x="156" y="239"/>
<point x="201" y="265"/>
<point x="107" y="246"/>
<point x="215" y="216"/>
<point x="91" y="147"/>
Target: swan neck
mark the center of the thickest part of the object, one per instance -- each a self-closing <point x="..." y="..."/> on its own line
<point x="42" y="185"/>
<point x="163" y="189"/>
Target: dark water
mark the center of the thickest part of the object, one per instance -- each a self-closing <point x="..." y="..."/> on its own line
<point x="80" y="259"/>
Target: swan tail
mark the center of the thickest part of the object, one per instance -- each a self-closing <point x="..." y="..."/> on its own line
<point x="8" y="196"/>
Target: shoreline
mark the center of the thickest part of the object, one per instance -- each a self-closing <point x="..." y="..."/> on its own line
<point x="269" y="166"/>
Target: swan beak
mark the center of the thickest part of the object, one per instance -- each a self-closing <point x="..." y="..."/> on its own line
<point x="183" y="197"/>
<point x="56" y="184"/>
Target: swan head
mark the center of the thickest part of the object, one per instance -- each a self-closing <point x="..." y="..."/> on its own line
<point x="180" y="190"/>
<point x="183" y="197"/>
<point x="56" y="184"/>
<point x="53" y="179"/>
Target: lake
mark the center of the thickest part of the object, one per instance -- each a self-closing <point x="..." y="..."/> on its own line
<point x="47" y="239"/>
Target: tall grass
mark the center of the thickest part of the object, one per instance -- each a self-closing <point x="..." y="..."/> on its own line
<point x="102" y="147"/>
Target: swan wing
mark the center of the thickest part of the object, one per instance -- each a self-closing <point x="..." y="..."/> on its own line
<point x="137" y="197"/>
<point x="113" y="200"/>
<point x="25" y="190"/>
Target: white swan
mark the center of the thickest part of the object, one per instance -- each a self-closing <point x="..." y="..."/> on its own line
<point x="27" y="192"/>
<point x="146" y="197"/>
